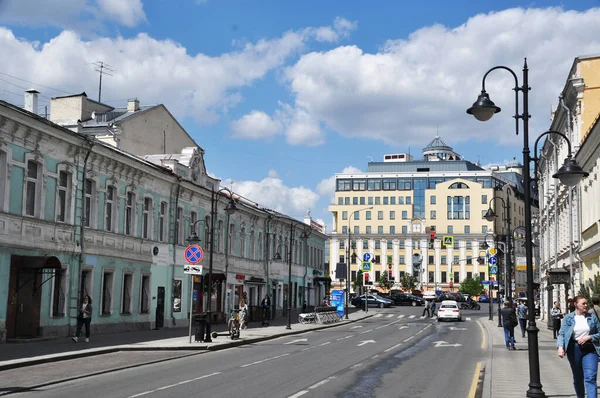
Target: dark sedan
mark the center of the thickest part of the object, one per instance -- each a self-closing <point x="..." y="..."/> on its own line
<point x="373" y="300"/>
<point x="406" y="299"/>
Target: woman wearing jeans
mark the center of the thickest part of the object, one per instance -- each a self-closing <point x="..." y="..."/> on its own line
<point x="578" y="338"/>
<point x="84" y="318"/>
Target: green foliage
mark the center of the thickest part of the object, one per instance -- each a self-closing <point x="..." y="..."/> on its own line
<point x="471" y="286"/>
<point x="408" y="281"/>
<point x="593" y="290"/>
<point x="384" y="282"/>
<point x="358" y="281"/>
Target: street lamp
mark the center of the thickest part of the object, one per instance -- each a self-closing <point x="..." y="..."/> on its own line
<point x="483" y="109"/>
<point x="230" y="209"/>
<point x="193" y="239"/>
<point x="348" y="261"/>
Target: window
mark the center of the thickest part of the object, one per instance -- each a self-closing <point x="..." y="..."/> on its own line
<point x="455" y="260"/>
<point x="469" y="275"/>
<point x="380" y="215"/>
<point x="355" y="200"/>
<point x="59" y="289"/>
<point x="389" y="184"/>
<point x="432" y="199"/>
<point x="377" y="200"/>
<point x="444" y="259"/>
<point x="129" y="213"/>
<point x="127" y="293"/>
<point x="353" y="275"/>
<point x="408" y="200"/>
<point x="469" y="260"/>
<point x="377" y="244"/>
<point x="377" y="275"/>
<point x="404" y="229"/>
<point x="484" y="229"/>
<point x="430" y="260"/>
<point x="232" y="238"/>
<point x="147" y="219"/>
<point x="380" y="229"/>
<point x="393" y="200"/>
<point x="179" y="226"/>
<point x="402" y="261"/>
<point x="63" y="196"/>
<point x="457" y="276"/>
<point x="484" y="199"/>
<point x="392" y="215"/>
<point x="450" y="229"/>
<point x="243" y="242"/>
<point x="469" y="245"/>
<point x="385" y="200"/>
<point x="356" y="230"/>
<point x="401" y="244"/>
<point x="220" y="234"/>
<point x="392" y="231"/>
<point x="344" y="229"/>
<point x="340" y="200"/>
<point x="145" y="295"/>
<point x="458" y="185"/>
<point x="353" y="244"/>
<point x="32" y="190"/>
<point x="90" y="203"/>
<point x="430" y="276"/>
<point x="162" y="222"/>
<point x="370" y="200"/>
<point x="344" y="185"/>
<point x="107" y="290"/>
<point x="377" y="259"/>
<point x="404" y="214"/>
<point x="458" y="207"/>
<point x="368" y="215"/>
<point x="359" y="185"/>
<point x="365" y="244"/>
<point x="368" y="230"/>
<point x="260" y="246"/>
<point x="432" y="215"/>
<point x="347" y="200"/>
<point x="109" y="208"/>
<point x="374" y="185"/>
<point x="389" y="245"/>
<point x="400" y="200"/>
<point x="389" y="259"/>
<point x="467" y="229"/>
<point x="362" y="200"/>
<point x="177" y="293"/>
<point x="3" y="180"/>
<point x="344" y="215"/>
<point x="356" y="216"/>
<point x="193" y="219"/>
<point x="482" y="276"/>
<point x="444" y="277"/>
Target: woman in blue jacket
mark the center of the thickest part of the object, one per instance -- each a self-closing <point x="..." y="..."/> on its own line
<point x="578" y="337"/>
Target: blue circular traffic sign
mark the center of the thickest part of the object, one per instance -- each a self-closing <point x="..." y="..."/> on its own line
<point x="493" y="260"/>
<point x="193" y="254"/>
<point x="367" y="257"/>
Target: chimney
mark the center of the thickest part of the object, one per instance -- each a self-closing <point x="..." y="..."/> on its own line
<point x="31" y="101"/>
<point x="133" y="105"/>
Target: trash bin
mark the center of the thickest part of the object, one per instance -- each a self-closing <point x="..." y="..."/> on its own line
<point x="200" y="323"/>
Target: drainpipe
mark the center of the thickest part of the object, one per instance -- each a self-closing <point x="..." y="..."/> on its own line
<point x="175" y="239"/>
<point x="81" y="223"/>
<point x="570" y="203"/>
<point x="226" y="248"/>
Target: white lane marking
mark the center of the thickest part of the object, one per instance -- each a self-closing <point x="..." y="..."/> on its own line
<point x="403" y="327"/>
<point x="355" y="327"/>
<point x="377" y="315"/>
<point x="365" y="342"/>
<point x="308" y="348"/>
<point x="401" y="316"/>
<point x="419" y="332"/>
<point x="298" y="394"/>
<point x="390" y="315"/>
<point x="412" y="316"/>
<point x="374" y="356"/>
<point x="387" y="324"/>
<point x="321" y="382"/>
<point x="391" y="348"/>
<point x="264" y="360"/>
<point x="294" y="341"/>
<point x="174" y="385"/>
<point x="322" y="344"/>
<point x="358" y="365"/>
<point x="411" y="337"/>
<point x="468" y="319"/>
<point x="343" y="338"/>
<point x="367" y="331"/>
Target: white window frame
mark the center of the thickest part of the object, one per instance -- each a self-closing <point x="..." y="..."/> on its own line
<point x="231" y="238"/>
<point x="113" y="208"/>
<point x="252" y="245"/>
<point x="130" y="213"/>
<point x="68" y="193"/>
<point x="193" y="219"/>
<point x="5" y="165"/>
<point x="148" y="293"/>
<point x="64" y="282"/>
<point x="243" y="242"/>
<point x="179" y="225"/>
<point x="38" y="203"/>
<point x="92" y="197"/>
<point x="127" y="289"/>
<point x="101" y="306"/>
<point x="147" y="218"/>
<point x="163" y="221"/>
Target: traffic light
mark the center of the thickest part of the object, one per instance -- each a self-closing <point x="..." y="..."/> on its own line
<point x="431" y="236"/>
<point x="367" y="281"/>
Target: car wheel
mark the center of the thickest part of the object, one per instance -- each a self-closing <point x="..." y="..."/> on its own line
<point x="381" y="305"/>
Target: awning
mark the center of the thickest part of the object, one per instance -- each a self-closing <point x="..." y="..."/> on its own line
<point x="325" y="279"/>
<point x="255" y="280"/>
<point x="38" y="262"/>
<point x="216" y="277"/>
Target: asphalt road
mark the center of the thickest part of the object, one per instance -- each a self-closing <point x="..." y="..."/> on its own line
<point x="396" y="353"/>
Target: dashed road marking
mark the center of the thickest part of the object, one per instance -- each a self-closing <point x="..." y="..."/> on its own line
<point x="367" y="331"/>
<point x="174" y="385"/>
<point x="390" y="315"/>
<point x="264" y="360"/>
<point x="401" y="316"/>
<point x="410" y="338"/>
<point x="298" y="394"/>
<point x="377" y="315"/>
<point x="319" y="384"/>
<point x="322" y="344"/>
<point x="412" y="316"/>
<point x="393" y="347"/>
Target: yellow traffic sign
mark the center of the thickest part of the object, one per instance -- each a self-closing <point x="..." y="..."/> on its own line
<point x="448" y="240"/>
<point x="493" y="251"/>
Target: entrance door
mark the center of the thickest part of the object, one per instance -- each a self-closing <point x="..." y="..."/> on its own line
<point x="23" y="310"/>
<point x="160" y="307"/>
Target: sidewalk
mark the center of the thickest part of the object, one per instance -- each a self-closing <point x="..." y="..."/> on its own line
<point x="15" y="355"/>
<point x="507" y="372"/>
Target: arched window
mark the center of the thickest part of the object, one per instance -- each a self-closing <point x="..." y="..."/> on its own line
<point x="458" y="185"/>
<point x="231" y="238"/>
<point x="252" y="247"/>
<point x="243" y="242"/>
<point x="220" y="237"/>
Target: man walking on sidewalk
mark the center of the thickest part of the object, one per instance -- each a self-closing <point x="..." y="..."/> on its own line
<point x="522" y="314"/>
<point x="426" y="309"/>
<point x="509" y="321"/>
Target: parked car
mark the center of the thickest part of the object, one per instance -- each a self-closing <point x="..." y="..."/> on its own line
<point x="373" y="300"/>
<point x="484" y="298"/>
<point x="407" y="299"/>
<point x="449" y="310"/>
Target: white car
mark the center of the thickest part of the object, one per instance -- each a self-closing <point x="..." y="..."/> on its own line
<point x="449" y="309"/>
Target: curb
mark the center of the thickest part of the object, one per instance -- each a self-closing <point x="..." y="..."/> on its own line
<point x="201" y="348"/>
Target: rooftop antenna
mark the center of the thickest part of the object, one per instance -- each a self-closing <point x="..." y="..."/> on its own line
<point x="370" y="159"/>
<point x="103" y="69"/>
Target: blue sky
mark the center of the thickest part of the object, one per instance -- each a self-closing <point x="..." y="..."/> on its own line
<point x="283" y="95"/>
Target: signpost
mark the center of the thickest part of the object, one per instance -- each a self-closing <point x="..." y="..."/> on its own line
<point x="193" y="255"/>
<point x="448" y="240"/>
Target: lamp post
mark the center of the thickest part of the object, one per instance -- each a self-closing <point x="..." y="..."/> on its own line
<point x="570" y="173"/>
<point x="231" y="208"/>
<point x="483" y="260"/>
<point x="347" y="295"/>
<point x="192" y="240"/>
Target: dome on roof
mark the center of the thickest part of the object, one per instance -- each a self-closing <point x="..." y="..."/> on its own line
<point x="439" y="150"/>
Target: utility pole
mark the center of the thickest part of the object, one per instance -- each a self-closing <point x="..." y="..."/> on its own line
<point x="103" y="69"/>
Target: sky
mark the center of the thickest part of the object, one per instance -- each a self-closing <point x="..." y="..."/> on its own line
<point x="282" y="95"/>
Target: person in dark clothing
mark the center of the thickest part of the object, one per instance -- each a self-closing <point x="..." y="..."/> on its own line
<point x="426" y="309"/>
<point x="266" y="307"/>
<point x="509" y="321"/>
<point x="522" y="313"/>
<point x="556" y="315"/>
<point x="84" y="319"/>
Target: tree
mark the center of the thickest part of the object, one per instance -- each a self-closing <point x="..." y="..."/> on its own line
<point x="593" y="290"/>
<point x="471" y="286"/>
<point x="408" y="281"/>
<point x="358" y="281"/>
<point x="384" y="282"/>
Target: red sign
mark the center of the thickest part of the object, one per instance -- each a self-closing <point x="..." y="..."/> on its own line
<point x="193" y="254"/>
<point x="240" y="277"/>
<point x="451" y="284"/>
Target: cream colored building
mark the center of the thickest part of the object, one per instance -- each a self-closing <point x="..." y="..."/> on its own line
<point x="390" y="210"/>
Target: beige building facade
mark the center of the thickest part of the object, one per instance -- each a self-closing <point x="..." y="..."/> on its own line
<point x="390" y="211"/>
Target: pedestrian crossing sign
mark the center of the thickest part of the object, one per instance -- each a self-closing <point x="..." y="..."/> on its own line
<point x="448" y="240"/>
<point x="366" y="266"/>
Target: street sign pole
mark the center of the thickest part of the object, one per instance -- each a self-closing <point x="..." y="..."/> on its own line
<point x="191" y="303"/>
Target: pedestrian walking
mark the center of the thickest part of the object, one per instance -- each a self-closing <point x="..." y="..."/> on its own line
<point x="509" y="321"/>
<point x="426" y="309"/>
<point x="578" y="338"/>
<point x="433" y="307"/>
<point x="266" y="306"/>
<point x="84" y="318"/>
<point x="594" y="306"/>
<point x="522" y="314"/>
<point x="243" y="313"/>
<point x="556" y="315"/>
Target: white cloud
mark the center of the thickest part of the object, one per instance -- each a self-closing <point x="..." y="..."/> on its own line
<point x="155" y="71"/>
<point x="273" y="173"/>
<point x="255" y="125"/>
<point x="416" y="86"/>
<point x="327" y="186"/>
<point x="341" y="29"/>
<point x="127" y="12"/>
<point x="272" y="193"/>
